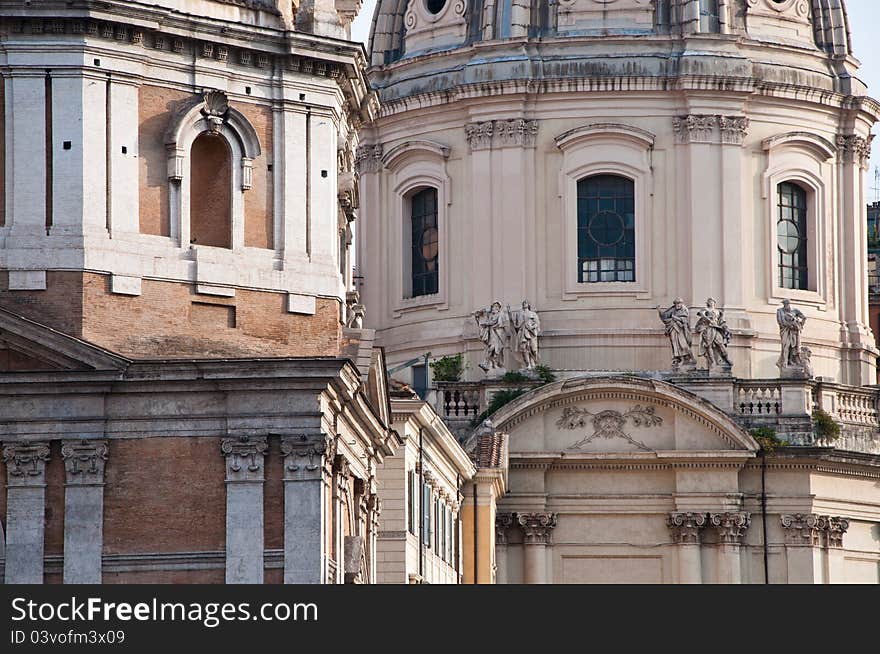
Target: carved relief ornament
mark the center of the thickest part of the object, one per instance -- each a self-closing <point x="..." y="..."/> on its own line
<point x="84" y="461"/>
<point x="516" y="132"/>
<point x="609" y="424"/>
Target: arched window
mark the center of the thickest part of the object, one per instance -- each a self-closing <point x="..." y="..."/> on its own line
<point x="211" y="191"/>
<point x="606" y="229"/>
<point x="424" y="243"/>
<point x="791" y="236"/>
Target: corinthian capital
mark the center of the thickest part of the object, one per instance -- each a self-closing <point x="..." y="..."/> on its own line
<point x="686" y="527"/>
<point x="84" y="461"/>
<point x="803" y="529"/>
<point x="503" y="522"/>
<point x="26" y="463"/>
<point x="837" y="527"/>
<point x="731" y="526"/>
<point x="536" y="527"/>
<point x="244" y="458"/>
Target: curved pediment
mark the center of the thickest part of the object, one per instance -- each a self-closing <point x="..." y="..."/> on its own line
<point x="618" y="415"/>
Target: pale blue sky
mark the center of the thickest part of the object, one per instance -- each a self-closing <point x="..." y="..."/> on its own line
<point x="864" y="19"/>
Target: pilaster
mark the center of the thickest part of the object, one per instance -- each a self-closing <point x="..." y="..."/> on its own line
<point x="25" y="510"/>
<point x="503" y="523"/>
<point x="536" y="528"/>
<point x="686" y="533"/>
<point x="84" y="463"/>
<point x="730" y="528"/>
<point x="245" y="474"/>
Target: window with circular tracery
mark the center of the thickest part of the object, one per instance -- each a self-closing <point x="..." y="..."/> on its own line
<point x="791" y="236"/>
<point x="606" y="229"/>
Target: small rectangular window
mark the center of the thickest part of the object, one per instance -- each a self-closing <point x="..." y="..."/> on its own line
<point x="420" y="380"/>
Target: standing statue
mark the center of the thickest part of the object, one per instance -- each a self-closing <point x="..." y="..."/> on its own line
<point x="527" y="326"/>
<point x="678" y="328"/>
<point x="791" y="323"/>
<point x="714" y="335"/>
<point x="493" y="332"/>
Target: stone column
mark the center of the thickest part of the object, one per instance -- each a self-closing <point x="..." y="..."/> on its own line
<point x="836" y="528"/>
<point x="245" y="467"/>
<point x="83" y="510"/>
<point x="536" y="529"/>
<point x="25" y="511"/>
<point x="731" y="528"/>
<point x="307" y="474"/>
<point x="686" y="529"/>
<point x="803" y="541"/>
<point x="503" y="522"/>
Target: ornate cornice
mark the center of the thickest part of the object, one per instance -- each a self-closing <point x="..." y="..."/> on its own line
<point x="517" y="132"/>
<point x="503" y="522"/>
<point x="731" y="526"/>
<point x="26" y="463"/>
<point x="710" y="128"/>
<point x="536" y="527"/>
<point x="686" y="527"/>
<point x="84" y="461"/>
<point x="245" y="458"/>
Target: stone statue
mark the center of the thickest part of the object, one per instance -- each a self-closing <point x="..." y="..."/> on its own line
<point x="791" y="323"/>
<point x="714" y="336"/>
<point x="678" y="328"/>
<point x="527" y="326"/>
<point x="355" y="311"/>
<point x="493" y="324"/>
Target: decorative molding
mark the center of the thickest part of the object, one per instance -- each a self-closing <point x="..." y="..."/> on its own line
<point x="516" y="132"/>
<point x="84" y="461"/>
<point x="368" y="159"/>
<point x="536" y="527"/>
<point x="686" y="527"/>
<point x="609" y="424"/>
<point x="731" y="526"/>
<point x="245" y="458"/>
<point x="503" y="522"/>
<point x="26" y="463"/>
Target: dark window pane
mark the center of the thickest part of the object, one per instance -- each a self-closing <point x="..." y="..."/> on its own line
<point x="606" y="229"/>
<point x="791" y="230"/>
<point x="425" y="239"/>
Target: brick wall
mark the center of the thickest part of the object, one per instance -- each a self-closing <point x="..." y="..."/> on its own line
<point x="259" y="200"/>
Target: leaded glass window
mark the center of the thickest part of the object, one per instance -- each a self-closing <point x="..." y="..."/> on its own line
<point x="425" y="243"/>
<point x="606" y="229"/>
<point x="791" y="236"/>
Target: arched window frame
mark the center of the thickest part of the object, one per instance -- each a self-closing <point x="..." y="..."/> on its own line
<point x="607" y="149"/>
<point x="805" y="160"/>
<point x="209" y="113"/>
<point x="415" y="165"/>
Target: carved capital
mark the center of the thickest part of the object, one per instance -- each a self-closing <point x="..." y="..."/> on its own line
<point x="536" y="527"/>
<point x="84" y="461"/>
<point x="26" y="463"/>
<point x="368" y="159"/>
<point x="307" y="455"/>
<point x="245" y="458"/>
<point x="503" y="522"/>
<point x="731" y="527"/>
<point x="686" y="527"/>
<point x="855" y="149"/>
<point x="837" y="527"/>
<point x="695" y="128"/>
<point x="803" y="529"/>
<point x="516" y="132"/>
<point x="734" y="129"/>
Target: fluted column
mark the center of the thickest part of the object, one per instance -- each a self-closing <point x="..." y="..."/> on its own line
<point x="686" y="532"/>
<point x="536" y="529"/>
<point x="25" y="511"/>
<point x="307" y="477"/>
<point x="503" y="522"/>
<point x="84" y="463"/>
<point x="731" y="528"/>
<point x="245" y="466"/>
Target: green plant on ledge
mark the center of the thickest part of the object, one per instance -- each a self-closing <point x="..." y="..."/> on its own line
<point x="767" y="438"/>
<point x="515" y="377"/>
<point x="448" y="369"/>
<point x="498" y="400"/>
<point x="545" y="374"/>
<point x="826" y="428"/>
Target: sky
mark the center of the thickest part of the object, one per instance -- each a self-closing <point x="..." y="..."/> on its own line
<point x="864" y="21"/>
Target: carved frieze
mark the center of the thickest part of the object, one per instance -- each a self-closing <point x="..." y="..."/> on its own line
<point x="516" y="132"/>
<point x="609" y="424"/>
<point x="84" y="461"/>
<point x="731" y="526"/>
<point x="26" y="463"/>
<point x="536" y="527"/>
<point x="245" y="458"/>
<point x="503" y="523"/>
<point x="686" y="527"/>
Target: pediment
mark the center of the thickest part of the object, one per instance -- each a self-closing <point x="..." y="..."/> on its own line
<point x="28" y="346"/>
<point x="618" y="415"/>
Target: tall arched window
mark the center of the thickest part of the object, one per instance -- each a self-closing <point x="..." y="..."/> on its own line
<point x="606" y="229"/>
<point x="211" y="191"/>
<point x="424" y="244"/>
<point x="791" y="236"/>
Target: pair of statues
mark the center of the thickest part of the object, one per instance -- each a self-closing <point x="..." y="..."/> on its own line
<point x="794" y="360"/>
<point x="500" y="327"/>
<point x="713" y="332"/>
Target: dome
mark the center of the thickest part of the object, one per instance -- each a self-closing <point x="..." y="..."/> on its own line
<point x="407" y="28"/>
